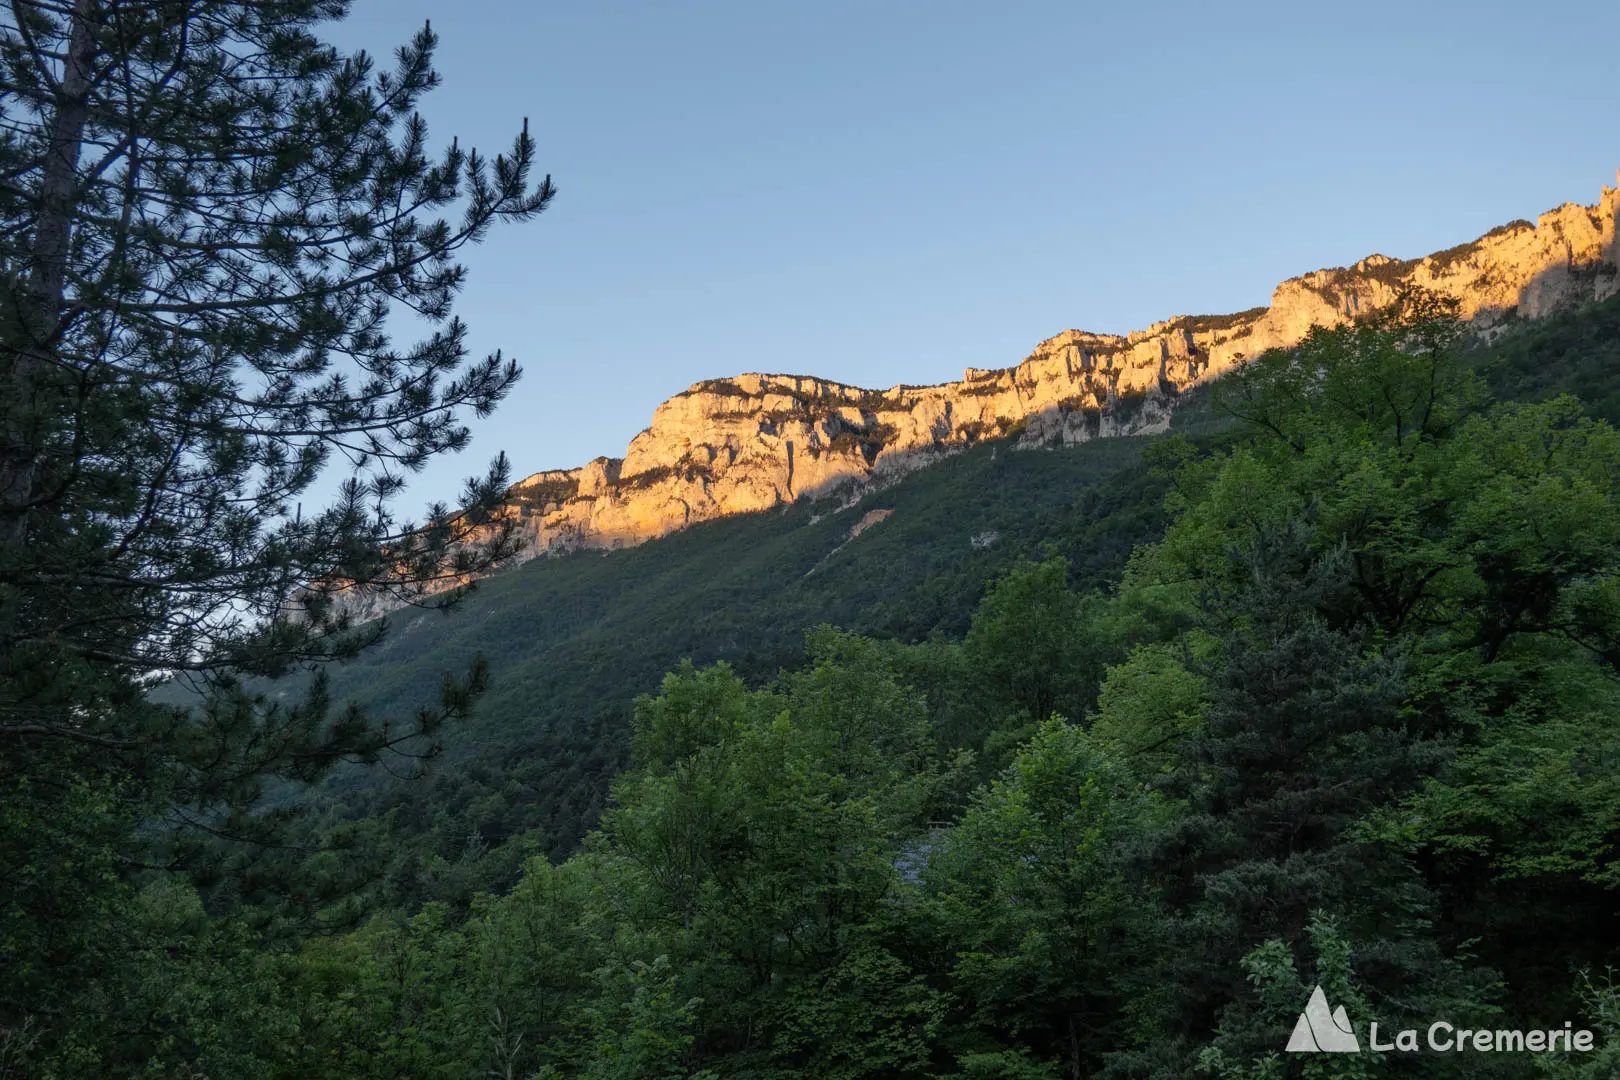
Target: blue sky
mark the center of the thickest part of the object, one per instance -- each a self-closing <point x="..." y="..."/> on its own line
<point x="882" y="191"/>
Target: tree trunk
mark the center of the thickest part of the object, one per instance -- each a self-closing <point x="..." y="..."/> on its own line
<point x="40" y="324"/>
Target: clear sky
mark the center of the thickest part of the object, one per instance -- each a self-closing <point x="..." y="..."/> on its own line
<point x="878" y="191"/>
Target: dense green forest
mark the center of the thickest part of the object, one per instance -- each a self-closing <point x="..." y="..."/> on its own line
<point x="1347" y="718"/>
<point x="576" y="638"/>
<point x="1091" y="762"/>
<point x="571" y="640"/>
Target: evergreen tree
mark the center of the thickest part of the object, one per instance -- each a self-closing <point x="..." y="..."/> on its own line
<point x="1303" y="735"/>
<point x="207" y="217"/>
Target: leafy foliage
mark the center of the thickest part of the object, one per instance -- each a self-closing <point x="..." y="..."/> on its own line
<point x="1126" y="745"/>
<point x="1347" y="722"/>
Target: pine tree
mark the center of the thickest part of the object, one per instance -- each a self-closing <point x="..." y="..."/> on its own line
<point x="207" y="218"/>
<point x="1304" y="733"/>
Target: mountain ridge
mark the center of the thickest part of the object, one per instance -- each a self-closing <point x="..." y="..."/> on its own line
<point x="754" y="441"/>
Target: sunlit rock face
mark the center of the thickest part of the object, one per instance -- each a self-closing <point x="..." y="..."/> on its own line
<point x="752" y="442"/>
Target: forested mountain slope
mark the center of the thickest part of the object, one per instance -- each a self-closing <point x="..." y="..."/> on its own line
<point x="1345" y="718"/>
<point x="1082" y="718"/>
<point x="571" y="640"/>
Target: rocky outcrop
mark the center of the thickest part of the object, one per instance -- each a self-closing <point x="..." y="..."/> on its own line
<point x="751" y="442"/>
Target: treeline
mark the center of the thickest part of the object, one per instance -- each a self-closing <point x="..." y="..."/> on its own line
<point x="1352" y="723"/>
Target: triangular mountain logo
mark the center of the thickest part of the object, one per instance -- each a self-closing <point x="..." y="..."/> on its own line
<point x="1321" y="1030"/>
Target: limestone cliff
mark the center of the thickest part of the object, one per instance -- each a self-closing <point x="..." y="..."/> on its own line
<point x="751" y="442"/>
